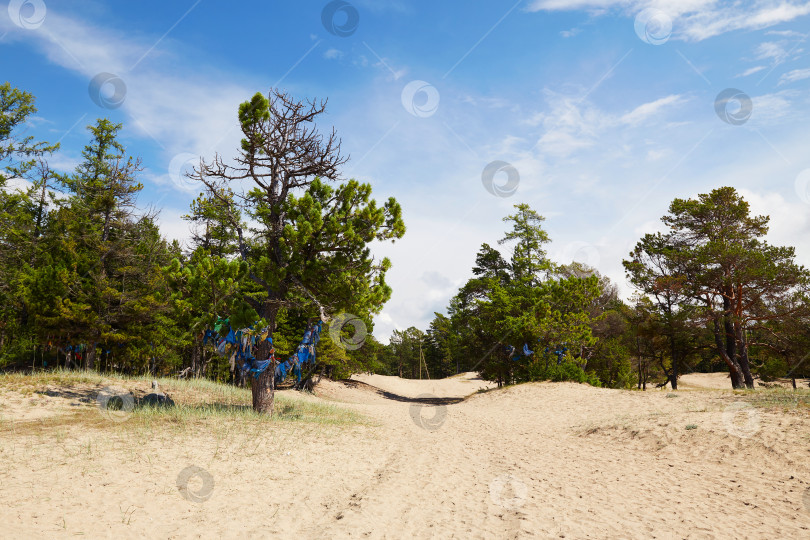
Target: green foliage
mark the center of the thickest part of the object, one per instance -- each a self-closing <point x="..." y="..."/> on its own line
<point x="510" y="304"/>
<point x="772" y="368"/>
<point x="84" y="269"/>
<point x="528" y="257"/>
<point x="305" y="253"/>
<point x="308" y="240"/>
<point x="615" y="368"/>
<point x="81" y="266"/>
<point x="716" y="282"/>
<point x="18" y="154"/>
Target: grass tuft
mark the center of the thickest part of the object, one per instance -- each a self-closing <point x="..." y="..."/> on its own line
<point x="198" y="403"/>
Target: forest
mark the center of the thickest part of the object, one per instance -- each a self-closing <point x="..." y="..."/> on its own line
<point x="280" y="241"/>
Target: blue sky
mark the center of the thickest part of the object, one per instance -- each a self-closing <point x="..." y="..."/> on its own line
<point x="605" y="110"/>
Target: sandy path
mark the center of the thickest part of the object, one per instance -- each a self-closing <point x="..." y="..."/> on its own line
<point x="641" y="476"/>
<point x="539" y="460"/>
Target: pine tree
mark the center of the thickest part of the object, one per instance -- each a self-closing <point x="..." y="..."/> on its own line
<point x="308" y="242"/>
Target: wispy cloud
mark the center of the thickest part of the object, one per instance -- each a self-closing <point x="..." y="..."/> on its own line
<point x="775" y="107"/>
<point x="581" y="150"/>
<point x="646" y="111"/>
<point x="776" y="51"/>
<point x="574" y="125"/>
<point x="751" y="71"/>
<point x="795" y="75"/>
<point x="695" y="20"/>
<point x="181" y="108"/>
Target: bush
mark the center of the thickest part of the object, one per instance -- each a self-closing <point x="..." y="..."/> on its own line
<point x="535" y="370"/>
<point x="772" y="368"/>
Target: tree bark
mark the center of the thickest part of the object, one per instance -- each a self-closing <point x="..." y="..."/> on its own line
<point x="263" y="390"/>
<point x="734" y="368"/>
<point x="263" y="387"/>
<point x="91" y="357"/>
<point x="731" y="341"/>
<point x="745" y="365"/>
<point x="674" y="353"/>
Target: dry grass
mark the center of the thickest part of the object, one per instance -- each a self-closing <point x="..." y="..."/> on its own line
<point x="782" y="399"/>
<point x="199" y="404"/>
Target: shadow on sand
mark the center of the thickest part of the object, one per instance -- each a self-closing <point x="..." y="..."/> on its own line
<point x="351" y="383"/>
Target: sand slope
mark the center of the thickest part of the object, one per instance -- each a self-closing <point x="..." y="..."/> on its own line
<point x="539" y="460"/>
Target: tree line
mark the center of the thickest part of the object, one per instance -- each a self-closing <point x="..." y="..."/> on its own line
<point x="710" y="295"/>
<point x="280" y="240"/>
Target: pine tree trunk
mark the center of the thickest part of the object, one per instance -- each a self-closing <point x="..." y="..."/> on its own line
<point x="674" y="354"/>
<point x="745" y="365"/>
<point x="263" y="387"/>
<point x="735" y="372"/>
<point x="91" y="357"/>
<point x="263" y="391"/>
<point x="646" y="376"/>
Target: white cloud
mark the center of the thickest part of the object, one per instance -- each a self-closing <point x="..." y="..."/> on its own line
<point x="648" y="110"/>
<point x="333" y="54"/>
<point x="361" y="61"/>
<point x="22" y="185"/>
<point x="562" y="143"/>
<point x="771" y="50"/>
<point x="183" y="109"/>
<point x="785" y="33"/>
<point x="571" y="124"/>
<point x="790" y="220"/>
<point x="482" y="101"/>
<point x="774" y="107"/>
<point x="172" y="225"/>
<point x="694" y="20"/>
<point x="751" y="71"/>
<point x="574" y="124"/>
<point x="795" y="75"/>
<point x="657" y="153"/>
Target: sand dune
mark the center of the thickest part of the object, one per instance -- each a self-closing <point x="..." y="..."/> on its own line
<point x="539" y="460"/>
<point x="721" y="381"/>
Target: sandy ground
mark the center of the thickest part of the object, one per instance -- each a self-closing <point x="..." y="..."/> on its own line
<point x="539" y="460"/>
<point x="721" y="381"/>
